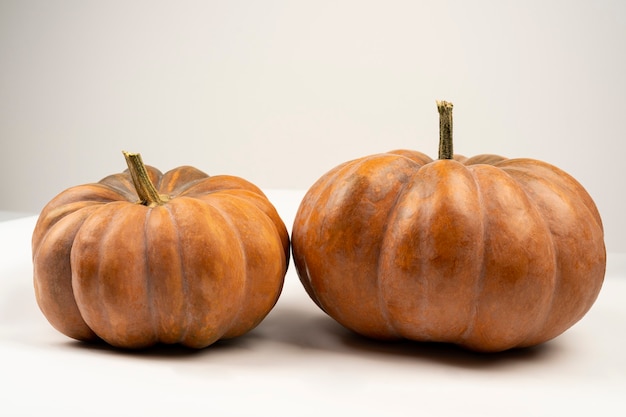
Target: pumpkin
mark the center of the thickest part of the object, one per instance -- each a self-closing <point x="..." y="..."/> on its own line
<point x="484" y="252"/>
<point x="142" y="258"/>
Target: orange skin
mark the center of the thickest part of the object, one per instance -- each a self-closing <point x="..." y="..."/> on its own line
<point x="207" y="264"/>
<point x="488" y="253"/>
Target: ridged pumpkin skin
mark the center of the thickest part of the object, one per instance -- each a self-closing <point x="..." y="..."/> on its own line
<point x="488" y="253"/>
<point x="207" y="264"/>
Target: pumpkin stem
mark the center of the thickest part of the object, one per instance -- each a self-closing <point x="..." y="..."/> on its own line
<point x="445" y="129"/>
<point x="148" y="194"/>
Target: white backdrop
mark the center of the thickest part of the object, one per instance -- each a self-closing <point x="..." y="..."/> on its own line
<point x="281" y="91"/>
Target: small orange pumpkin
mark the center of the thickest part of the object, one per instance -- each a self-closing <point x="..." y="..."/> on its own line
<point x="142" y="258"/>
<point x="488" y="253"/>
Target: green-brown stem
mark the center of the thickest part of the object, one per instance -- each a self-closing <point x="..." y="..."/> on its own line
<point x="148" y="194"/>
<point x="445" y="130"/>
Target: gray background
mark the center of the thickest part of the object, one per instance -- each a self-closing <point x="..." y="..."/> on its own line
<point x="279" y="92"/>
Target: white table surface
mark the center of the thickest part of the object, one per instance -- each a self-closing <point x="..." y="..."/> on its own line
<point x="299" y="362"/>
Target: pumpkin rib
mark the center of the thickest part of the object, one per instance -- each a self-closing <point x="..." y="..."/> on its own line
<point x="61" y="309"/>
<point x="71" y="200"/>
<point x="404" y="236"/>
<point x="185" y="318"/>
<point x="265" y="207"/>
<point x="304" y="213"/>
<point x="548" y="310"/>
<point x="399" y="195"/>
<point x="417" y="157"/>
<point x="177" y="181"/>
<point x="486" y="159"/>
<point x="320" y="185"/>
<point x="147" y="276"/>
<point x="105" y="308"/>
<point x="218" y="239"/>
<point x="480" y="279"/>
<point x="341" y="170"/>
<point x="320" y="193"/>
<point x="450" y="192"/>
<point x="365" y="194"/>
<point x="530" y="283"/>
<point x="259" y="271"/>
<point x="563" y="191"/>
<point x="204" y="188"/>
<point x="541" y="322"/>
<point x="382" y="302"/>
<point x="244" y="288"/>
<point x="100" y="295"/>
<point x="208" y="185"/>
<point x="96" y="192"/>
<point x="77" y="291"/>
<point x="331" y="231"/>
<point x="523" y="171"/>
<point x="188" y="334"/>
<point x="47" y="224"/>
<point x="121" y="184"/>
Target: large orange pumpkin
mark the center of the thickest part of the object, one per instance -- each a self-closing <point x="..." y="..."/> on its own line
<point x="488" y="253"/>
<point x="142" y="258"/>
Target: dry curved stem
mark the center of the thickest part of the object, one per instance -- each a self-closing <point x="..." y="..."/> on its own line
<point x="148" y="194"/>
<point x="445" y="129"/>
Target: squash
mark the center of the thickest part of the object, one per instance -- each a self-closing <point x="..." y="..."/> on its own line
<point x="142" y="258"/>
<point x="485" y="252"/>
